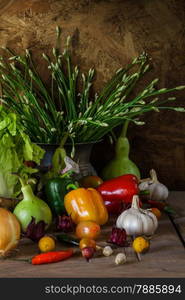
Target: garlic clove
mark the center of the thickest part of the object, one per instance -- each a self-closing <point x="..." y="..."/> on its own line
<point x="120" y="259"/>
<point x="107" y="251"/>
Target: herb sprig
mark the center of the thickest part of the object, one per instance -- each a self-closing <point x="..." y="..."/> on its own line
<point x="49" y="114"/>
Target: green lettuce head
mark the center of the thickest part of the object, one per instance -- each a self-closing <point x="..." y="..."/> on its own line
<point x="15" y="148"/>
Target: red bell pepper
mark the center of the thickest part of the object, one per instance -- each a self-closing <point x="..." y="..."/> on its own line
<point x="118" y="191"/>
<point x="114" y="207"/>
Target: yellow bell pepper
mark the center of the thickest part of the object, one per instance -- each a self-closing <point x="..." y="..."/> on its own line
<point x="86" y="205"/>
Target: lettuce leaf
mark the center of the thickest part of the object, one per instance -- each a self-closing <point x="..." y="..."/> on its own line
<point x="15" y="148"/>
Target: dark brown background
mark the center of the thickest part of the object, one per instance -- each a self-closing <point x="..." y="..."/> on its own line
<point x="107" y="35"/>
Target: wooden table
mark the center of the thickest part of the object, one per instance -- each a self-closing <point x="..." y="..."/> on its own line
<point x="166" y="257"/>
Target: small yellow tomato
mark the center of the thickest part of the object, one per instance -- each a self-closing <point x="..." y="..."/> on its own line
<point x="85" y="242"/>
<point x="46" y="244"/>
<point x="156" y="212"/>
<point x="87" y="229"/>
<point x="140" y="244"/>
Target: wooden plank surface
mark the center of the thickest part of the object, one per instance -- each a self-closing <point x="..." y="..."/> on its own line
<point x="166" y="257"/>
<point x="177" y="201"/>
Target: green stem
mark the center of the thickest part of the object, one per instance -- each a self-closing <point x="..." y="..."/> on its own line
<point x="72" y="186"/>
<point x="21" y="259"/>
<point x="124" y="129"/>
<point x="22" y="181"/>
<point x="68" y="174"/>
<point x="64" y="139"/>
<point x="27" y="191"/>
<point x="145" y="192"/>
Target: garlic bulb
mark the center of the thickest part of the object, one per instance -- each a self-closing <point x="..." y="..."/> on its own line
<point x="157" y="190"/>
<point x="137" y="221"/>
<point x="9" y="231"/>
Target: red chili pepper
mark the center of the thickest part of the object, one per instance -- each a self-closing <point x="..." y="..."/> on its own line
<point x="121" y="188"/>
<point x="51" y="257"/>
<point x="157" y="204"/>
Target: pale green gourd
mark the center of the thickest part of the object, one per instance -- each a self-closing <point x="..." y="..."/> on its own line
<point x="31" y="206"/>
<point x="121" y="163"/>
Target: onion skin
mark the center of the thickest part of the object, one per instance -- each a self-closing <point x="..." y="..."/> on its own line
<point x="10" y="231"/>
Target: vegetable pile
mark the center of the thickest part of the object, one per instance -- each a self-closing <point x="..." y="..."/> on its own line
<point x="55" y="207"/>
<point x="77" y="215"/>
<point x="70" y="210"/>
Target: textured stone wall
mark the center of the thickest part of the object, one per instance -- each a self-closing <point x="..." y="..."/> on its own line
<point x="107" y="35"/>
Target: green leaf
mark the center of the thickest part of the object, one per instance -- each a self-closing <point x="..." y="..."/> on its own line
<point x="58" y="164"/>
<point x="15" y="148"/>
<point x="168" y="209"/>
<point x="4" y="123"/>
<point x="12" y="126"/>
<point x="179" y="109"/>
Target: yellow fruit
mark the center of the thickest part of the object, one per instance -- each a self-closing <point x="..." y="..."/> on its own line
<point x="85" y="242"/>
<point x="46" y="244"/>
<point x="140" y="244"/>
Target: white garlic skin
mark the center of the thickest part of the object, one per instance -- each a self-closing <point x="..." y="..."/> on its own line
<point x="137" y="221"/>
<point x="107" y="251"/>
<point x="143" y="186"/>
<point x="120" y="259"/>
<point x="158" y="191"/>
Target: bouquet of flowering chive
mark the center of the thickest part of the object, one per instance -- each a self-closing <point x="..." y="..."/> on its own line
<point x="62" y="111"/>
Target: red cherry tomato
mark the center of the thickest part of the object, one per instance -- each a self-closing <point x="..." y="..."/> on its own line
<point x="87" y="229"/>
